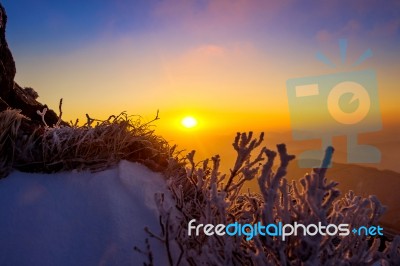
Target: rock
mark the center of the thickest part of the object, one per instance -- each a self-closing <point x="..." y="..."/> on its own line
<point x="31" y="92"/>
<point x="7" y="67"/>
<point x="29" y="106"/>
<point x="11" y="94"/>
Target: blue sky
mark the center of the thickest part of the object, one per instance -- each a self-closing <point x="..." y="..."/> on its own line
<point x="68" y="24"/>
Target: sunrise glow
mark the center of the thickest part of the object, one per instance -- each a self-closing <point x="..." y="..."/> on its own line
<point x="189" y="122"/>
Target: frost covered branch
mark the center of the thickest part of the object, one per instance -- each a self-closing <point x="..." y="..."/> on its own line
<point x="203" y="193"/>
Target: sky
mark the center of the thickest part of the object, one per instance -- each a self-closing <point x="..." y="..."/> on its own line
<point x="225" y="62"/>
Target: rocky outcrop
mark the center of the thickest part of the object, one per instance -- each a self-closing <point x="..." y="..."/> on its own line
<point x="7" y="66"/>
<point x="11" y="94"/>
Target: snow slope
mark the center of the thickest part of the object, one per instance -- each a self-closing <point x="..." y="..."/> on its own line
<point x="80" y="218"/>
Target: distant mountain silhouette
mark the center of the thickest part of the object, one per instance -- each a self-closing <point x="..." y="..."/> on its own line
<point x="364" y="181"/>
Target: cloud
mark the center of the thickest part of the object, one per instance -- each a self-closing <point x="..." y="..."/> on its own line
<point x="386" y="29"/>
<point x="351" y="28"/>
<point x="209" y="50"/>
<point x="213" y="15"/>
<point x="209" y="55"/>
<point x="359" y="18"/>
<point x="324" y="36"/>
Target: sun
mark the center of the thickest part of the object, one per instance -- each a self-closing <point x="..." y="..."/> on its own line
<point x="189" y="122"/>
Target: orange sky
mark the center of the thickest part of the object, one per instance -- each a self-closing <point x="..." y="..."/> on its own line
<point x="224" y="62"/>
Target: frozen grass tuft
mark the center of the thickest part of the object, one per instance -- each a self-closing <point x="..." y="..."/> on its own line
<point x="96" y="145"/>
<point x="10" y="122"/>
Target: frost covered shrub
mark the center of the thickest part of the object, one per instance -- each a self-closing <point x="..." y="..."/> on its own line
<point x="203" y="193"/>
<point x="10" y="122"/>
<point x="96" y="145"/>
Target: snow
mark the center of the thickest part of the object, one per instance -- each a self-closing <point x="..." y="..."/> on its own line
<point x="80" y="218"/>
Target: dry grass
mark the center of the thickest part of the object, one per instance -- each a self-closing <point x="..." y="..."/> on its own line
<point x="10" y="122"/>
<point x="59" y="148"/>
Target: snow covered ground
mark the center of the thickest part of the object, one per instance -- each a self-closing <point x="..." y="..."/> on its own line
<point x="80" y="218"/>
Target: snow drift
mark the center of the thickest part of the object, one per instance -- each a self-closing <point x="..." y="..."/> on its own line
<point x="80" y="218"/>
